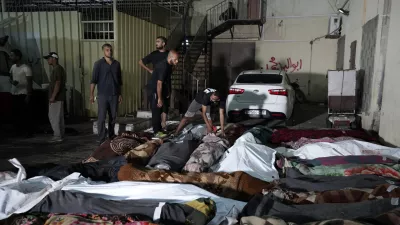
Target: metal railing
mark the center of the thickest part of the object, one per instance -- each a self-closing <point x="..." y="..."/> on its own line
<point x="190" y="59"/>
<point x="177" y="35"/>
<point x="196" y="47"/>
<point x="194" y="83"/>
<point x="238" y="10"/>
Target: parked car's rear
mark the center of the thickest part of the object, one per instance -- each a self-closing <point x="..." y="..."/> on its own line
<point x="260" y="94"/>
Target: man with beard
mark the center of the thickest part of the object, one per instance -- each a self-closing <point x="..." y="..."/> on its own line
<point x="160" y="88"/>
<point x="107" y="76"/>
<point x="153" y="58"/>
<point x="21" y="90"/>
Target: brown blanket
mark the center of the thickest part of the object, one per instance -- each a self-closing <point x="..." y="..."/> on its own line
<point x="116" y="147"/>
<point x="142" y="154"/>
<point x="237" y="185"/>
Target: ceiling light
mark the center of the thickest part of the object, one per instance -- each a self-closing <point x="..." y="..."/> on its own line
<point x="343" y="11"/>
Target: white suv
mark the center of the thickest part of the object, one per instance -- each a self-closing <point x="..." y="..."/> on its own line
<point x="260" y="94"/>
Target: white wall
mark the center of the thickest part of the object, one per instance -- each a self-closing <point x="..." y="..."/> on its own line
<point x="390" y="120"/>
<point x="360" y="13"/>
<point x="385" y="120"/>
<point x="289" y="28"/>
<point x="288" y="41"/>
<point x="352" y="25"/>
<point x="302" y="7"/>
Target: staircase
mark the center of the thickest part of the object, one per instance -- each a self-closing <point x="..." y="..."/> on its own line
<point x="193" y="70"/>
<point x="191" y="74"/>
<point x="228" y="13"/>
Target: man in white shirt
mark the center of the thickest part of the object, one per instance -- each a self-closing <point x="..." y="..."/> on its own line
<point x="21" y="90"/>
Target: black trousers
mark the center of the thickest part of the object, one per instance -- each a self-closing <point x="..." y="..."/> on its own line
<point x="107" y="105"/>
<point x="155" y="114"/>
<point x="105" y="170"/>
<point x="21" y="113"/>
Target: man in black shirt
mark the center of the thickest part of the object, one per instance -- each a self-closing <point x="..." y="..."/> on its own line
<point x="229" y="14"/>
<point x="160" y="87"/>
<point x="153" y="58"/>
<point x="107" y="76"/>
<point x="204" y="100"/>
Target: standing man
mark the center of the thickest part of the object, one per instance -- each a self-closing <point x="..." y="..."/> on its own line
<point x="229" y="14"/>
<point x="57" y="94"/>
<point x="204" y="100"/>
<point x="21" y="90"/>
<point x="160" y="83"/>
<point x="154" y="58"/>
<point x="107" y="76"/>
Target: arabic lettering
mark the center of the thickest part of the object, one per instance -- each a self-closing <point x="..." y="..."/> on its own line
<point x="288" y="67"/>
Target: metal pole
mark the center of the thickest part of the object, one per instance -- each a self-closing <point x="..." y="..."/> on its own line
<point x="115" y="24"/>
<point x="3" y="6"/>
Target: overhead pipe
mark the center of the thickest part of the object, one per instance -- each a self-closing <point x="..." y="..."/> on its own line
<point x="3" y="6"/>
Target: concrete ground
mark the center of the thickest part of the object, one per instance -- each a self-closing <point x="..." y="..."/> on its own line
<point x="81" y="141"/>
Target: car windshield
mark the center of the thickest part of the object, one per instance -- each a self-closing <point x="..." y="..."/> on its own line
<point x="260" y="78"/>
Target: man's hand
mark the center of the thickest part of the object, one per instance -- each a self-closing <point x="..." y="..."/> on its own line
<point x="120" y="99"/>
<point x="159" y="103"/>
<point x="209" y="130"/>
<point x="151" y="71"/>
<point x="223" y="133"/>
<point x="52" y="100"/>
<point x="91" y="99"/>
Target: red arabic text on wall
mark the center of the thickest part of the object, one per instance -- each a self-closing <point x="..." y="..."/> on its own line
<point x="289" y="66"/>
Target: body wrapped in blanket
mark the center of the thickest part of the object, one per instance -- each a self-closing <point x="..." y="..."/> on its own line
<point x="238" y="185"/>
<point x="118" y="146"/>
<point x="348" y="195"/>
<point x="288" y="135"/>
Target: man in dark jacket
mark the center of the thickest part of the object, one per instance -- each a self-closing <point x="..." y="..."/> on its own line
<point x="107" y="76"/>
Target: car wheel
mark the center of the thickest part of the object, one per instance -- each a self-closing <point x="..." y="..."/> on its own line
<point x="328" y="123"/>
<point x="356" y="124"/>
<point x="300" y="96"/>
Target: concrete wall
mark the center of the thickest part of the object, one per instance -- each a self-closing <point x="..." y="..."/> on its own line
<point x="287" y="41"/>
<point x="289" y="28"/>
<point x="381" y="91"/>
<point x="370" y="53"/>
<point x="389" y="120"/>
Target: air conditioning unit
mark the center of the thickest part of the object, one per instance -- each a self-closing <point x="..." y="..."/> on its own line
<point x="334" y="26"/>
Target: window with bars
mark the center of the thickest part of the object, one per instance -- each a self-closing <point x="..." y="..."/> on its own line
<point x="97" y="23"/>
<point x="98" y="30"/>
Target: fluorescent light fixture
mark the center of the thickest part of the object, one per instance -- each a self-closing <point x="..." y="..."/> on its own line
<point x="344" y="12"/>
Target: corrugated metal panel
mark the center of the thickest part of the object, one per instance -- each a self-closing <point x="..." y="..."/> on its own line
<point x="36" y="34"/>
<point x="136" y="38"/>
